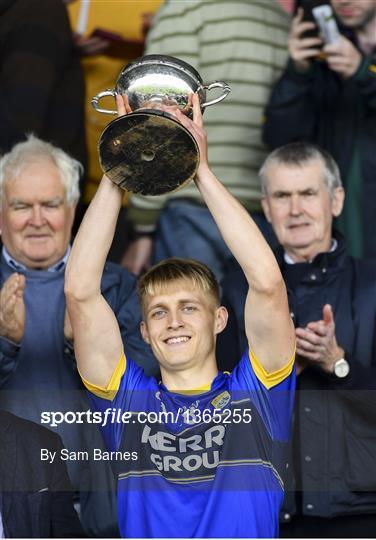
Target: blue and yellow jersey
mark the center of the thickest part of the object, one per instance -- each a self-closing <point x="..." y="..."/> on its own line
<point x="213" y="466"/>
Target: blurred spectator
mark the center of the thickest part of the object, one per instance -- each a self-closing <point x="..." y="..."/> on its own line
<point x="288" y="5"/>
<point x="103" y="59"/>
<point x="331" y="491"/>
<point x="332" y="102"/>
<point x="36" y="496"/>
<point x="39" y="192"/>
<point x="41" y="81"/>
<point x="242" y="43"/>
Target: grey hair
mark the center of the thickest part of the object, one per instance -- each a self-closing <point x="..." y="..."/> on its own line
<point x="299" y="154"/>
<point x="34" y="150"/>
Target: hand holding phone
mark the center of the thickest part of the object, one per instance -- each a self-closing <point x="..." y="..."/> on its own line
<point x="343" y="57"/>
<point x="340" y="53"/>
<point x="327" y="24"/>
<point x="303" y="49"/>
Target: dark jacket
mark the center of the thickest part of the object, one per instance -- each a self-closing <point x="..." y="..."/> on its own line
<point x="41" y="80"/>
<point x="36" y="496"/>
<point x="334" y="419"/>
<point x="340" y="116"/>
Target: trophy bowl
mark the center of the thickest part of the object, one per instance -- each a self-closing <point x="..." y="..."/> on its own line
<point x="149" y="151"/>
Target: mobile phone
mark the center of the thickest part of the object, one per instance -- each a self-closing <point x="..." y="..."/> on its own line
<point x="308" y="6"/>
<point x="326" y="22"/>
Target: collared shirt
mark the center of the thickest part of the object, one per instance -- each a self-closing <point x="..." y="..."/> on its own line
<point x="333" y="247"/>
<point x="17" y="266"/>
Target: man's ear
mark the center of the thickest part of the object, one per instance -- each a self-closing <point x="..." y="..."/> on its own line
<point x="221" y="317"/>
<point x="144" y="332"/>
<point x="265" y="207"/>
<point x="338" y="200"/>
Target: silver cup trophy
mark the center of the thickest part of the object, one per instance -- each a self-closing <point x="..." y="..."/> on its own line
<point x="149" y="151"/>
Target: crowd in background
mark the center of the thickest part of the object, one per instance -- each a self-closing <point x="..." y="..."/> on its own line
<point x="294" y="142"/>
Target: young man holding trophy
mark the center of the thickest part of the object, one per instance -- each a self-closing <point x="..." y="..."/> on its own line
<point x="211" y="466"/>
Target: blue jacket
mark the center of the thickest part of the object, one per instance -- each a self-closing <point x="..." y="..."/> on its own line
<point x="118" y="288"/>
<point x="336" y="418"/>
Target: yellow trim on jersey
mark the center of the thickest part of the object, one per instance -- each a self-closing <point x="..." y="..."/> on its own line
<point x="372" y="68"/>
<point x="108" y="392"/>
<point x="199" y="390"/>
<point x="275" y="377"/>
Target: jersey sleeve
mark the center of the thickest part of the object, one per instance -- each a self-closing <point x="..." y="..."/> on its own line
<point x="108" y="392"/>
<point x="271" y="393"/>
<point x="110" y="404"/>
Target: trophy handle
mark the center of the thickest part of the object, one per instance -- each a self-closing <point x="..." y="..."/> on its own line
<point x="95" y="102"/>
<point x="217" y="84"/>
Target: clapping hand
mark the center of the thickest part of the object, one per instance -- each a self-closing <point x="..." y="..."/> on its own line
<point x="317" y="343"/>
<point x="12" y="308"/>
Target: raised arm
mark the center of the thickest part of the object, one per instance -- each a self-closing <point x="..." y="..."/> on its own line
<point x="97" y="338"/>
<point x="268" y="324"/>
<point x="98" y="341"/>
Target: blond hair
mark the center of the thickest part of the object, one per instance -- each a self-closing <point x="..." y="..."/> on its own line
<point x="176" y="269"/>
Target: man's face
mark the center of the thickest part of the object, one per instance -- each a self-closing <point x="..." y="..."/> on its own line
<point x="180" y="324"/>
<point x="35" y="219"/>
<point x="299" y="207"/>
<point x="355" y="13"/>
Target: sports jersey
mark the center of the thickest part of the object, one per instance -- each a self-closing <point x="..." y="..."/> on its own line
<point x="213" y="467"/>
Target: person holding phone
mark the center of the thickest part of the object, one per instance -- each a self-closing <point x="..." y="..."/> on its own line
<point x="327" y="95"/>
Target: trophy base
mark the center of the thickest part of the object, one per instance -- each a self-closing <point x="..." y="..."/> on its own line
<point x="148" y="152"/>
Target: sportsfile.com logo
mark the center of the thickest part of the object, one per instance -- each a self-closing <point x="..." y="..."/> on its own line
<point x="189" y="416"/>
<point x="109" y="416"/>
